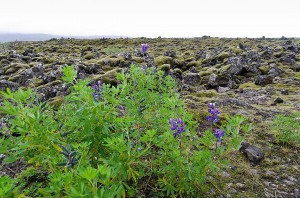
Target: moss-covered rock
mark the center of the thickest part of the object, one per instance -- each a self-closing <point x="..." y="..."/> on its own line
<point x="108" y="78"/>
<point x="249" y="85"/>
<point x="179" y="62"/>
<point x="14" y="68"/>
<point x="35" y="82"/>
<point x="14" y="77"/>
<point x="177" y="71"/>
<point x="165" y="67"/>
<point x="189" y="59"/>
<point x="207" y="93"/>
<point x="89" y="56"/>
<point x="48" y="60"/>
<point x="56" y="101"/>
<point x="138" y="60"/>
<point x="264" y="69"/>
<point x="223" y="56"/>
<point x="160" y="60"/>
<point x="196" y="64"/>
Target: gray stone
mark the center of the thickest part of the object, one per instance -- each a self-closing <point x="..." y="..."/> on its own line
<point x="191" y="79"/>
<point x="288" y="182"/>
<point x="274" y="70"/>
<point x="252" y="153"/>
<point x="240" y="185"/>
<point x="8" y="84"/>
<point x="293" y="179"/>
<point x="254" y="172"/>
<point x="264" y="80"/>
<point x="223" y="89"/>
<point x="225" y="174"/>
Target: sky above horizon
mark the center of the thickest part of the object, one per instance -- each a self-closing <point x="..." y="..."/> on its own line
<point x="166" y="18"/>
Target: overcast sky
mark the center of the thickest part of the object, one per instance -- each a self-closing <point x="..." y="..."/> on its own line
<point x="153" y="18"/>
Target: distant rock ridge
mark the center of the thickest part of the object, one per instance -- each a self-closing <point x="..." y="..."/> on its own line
<point x="10" y="37"/>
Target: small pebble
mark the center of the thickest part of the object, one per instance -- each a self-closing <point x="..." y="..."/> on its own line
<point x="288" y="182"/>
<point x="225" y="174"/>
<point x="284" y="92"/>
<point x="292" y="179"/>
<point x="240" y="185"/>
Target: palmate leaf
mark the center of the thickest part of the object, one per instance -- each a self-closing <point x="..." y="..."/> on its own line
<point x="69" y="74"/>
<point x="88" y="173"/>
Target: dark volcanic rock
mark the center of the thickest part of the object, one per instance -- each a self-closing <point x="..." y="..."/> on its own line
<point x="252" y="153"/>
<point x="28" y="52"/>
<point x="274" y="70"/>
<point x="266" y="53"/>
<point x="278" y="100"/>
<point x="241" y="65"/>
<point x="170" y="54"/>
<point x="289" y="45"/>
<point x="233" y="101"/>
<point x="284" y="92"/>
<point x="8" y="84"/>
<point x="236" y="63"/>
<point x="264" y="80"/>
<point x="191" y="79"/>
<point x="288" y="58"/>
<point x="216" y="81"/>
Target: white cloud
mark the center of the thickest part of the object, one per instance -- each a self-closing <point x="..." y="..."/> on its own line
<point x="185" y="18"/>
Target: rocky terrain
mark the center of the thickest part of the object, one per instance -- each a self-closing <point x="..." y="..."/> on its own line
<point x="256" y="78"/>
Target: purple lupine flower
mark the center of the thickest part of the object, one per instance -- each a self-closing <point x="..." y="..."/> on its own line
<point x="145" y="47"/>
<point x="98" y="88"/>
<point x="214" y="112"/>
<point x="177" y="126"/>
<point x="218" y="133"/>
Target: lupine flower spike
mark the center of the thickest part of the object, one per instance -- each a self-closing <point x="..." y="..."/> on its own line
<point x="177" y="126"/>
<point x="214" y="112"/>
<point x="145" y="47"/>
<point x="98" y="88"/>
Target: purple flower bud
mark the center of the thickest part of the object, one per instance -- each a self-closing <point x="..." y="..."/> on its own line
<point x="99" y="84"/>
<point x="211" y="105"/>
<point x="179" y="121"/>
<point x="95" y="87"/>
<point x="171" y="121"/>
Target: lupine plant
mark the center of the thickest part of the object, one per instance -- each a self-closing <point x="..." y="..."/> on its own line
<point x="127" y="140"/>
<point x="214" y="118"/>
<point x="98" y="88"/>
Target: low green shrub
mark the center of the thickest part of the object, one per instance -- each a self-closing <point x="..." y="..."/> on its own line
<point x="113" y="141"/>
